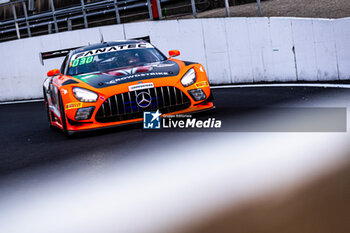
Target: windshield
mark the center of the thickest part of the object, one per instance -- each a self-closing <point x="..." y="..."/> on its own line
<point x="111" y="58"/>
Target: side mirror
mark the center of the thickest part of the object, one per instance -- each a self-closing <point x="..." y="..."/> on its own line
<point x="53" y="72"/>
<point x="174" y="53"/>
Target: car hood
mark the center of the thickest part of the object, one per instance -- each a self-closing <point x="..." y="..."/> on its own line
<point x="162" y="69"/>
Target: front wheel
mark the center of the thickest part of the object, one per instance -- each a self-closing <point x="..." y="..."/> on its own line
<point x="48" y="113"/>
<point x="62" y="113"/>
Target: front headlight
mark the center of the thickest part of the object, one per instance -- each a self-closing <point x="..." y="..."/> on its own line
<point x="189" y="78"/>
<point x="84" y="95"/>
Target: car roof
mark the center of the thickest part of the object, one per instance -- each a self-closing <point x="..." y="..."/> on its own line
<point x="106" y="44"/>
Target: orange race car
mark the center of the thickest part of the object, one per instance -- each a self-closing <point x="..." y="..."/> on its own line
<point x="113" y="83"/>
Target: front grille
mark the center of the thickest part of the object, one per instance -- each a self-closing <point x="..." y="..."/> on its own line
<point x="124" y="107"/>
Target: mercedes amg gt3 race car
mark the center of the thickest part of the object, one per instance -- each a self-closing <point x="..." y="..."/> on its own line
<point x="113" y="83"/>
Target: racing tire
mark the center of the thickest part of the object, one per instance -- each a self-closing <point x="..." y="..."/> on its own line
<point x="48" y="113"/>
<point x="63" y="114"/>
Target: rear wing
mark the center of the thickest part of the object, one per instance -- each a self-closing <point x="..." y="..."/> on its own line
<point x="145" y="38"/>
<point x="55" y="54"/>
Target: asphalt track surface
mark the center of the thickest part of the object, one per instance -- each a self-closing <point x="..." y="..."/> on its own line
<point x="27" y="142"/>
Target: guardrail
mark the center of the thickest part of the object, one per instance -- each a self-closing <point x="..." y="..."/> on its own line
<point x="66" y="15"/>
<point x="62" y="19"/>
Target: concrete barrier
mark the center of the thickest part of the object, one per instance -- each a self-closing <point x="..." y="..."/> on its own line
<point x="233" y="50"/>
<point x="342" y="41"/>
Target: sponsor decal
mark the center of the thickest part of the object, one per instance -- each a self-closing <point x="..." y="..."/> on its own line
<point x="64" y="91"/>
<point x="143" y="99"/>
<point x="111" y="49"/>
<point x="141" y="86"/>
<point x="74" y="105"/>
<point x="142" y="75"/>
<point x="151" y="120"/>
<point x="202" y="84"/>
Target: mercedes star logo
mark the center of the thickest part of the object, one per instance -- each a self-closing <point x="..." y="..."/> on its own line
<point x="143" y="99"/>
